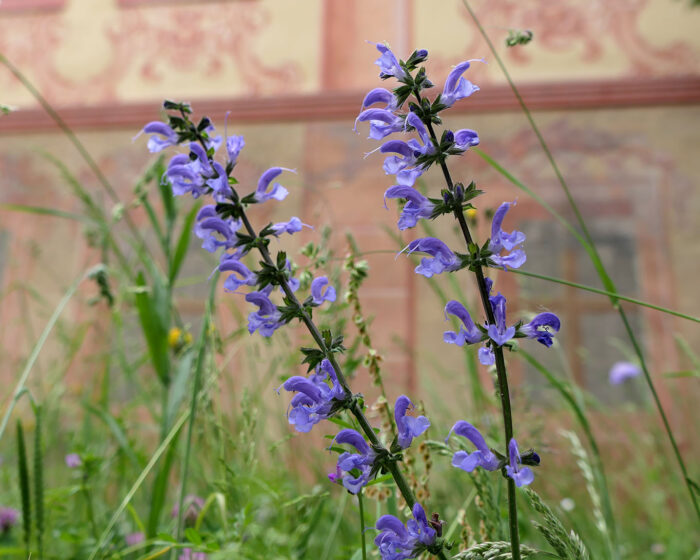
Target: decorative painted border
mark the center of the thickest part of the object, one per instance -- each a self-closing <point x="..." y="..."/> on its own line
<point x="628" y="92"/>
<point x="132" y="3"/>
<point x="30" y="5"/>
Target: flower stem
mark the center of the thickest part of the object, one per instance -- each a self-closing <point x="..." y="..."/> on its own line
<point x="497" y="350"/>
<point x="356" y="408"/>
<point x="362" y="525"/>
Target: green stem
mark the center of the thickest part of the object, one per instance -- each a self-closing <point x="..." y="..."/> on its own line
<point x="362" y="525"/>
<point x="356" y="409"/>
<point x="595" y="257"/>
<point x="497" y="350"/>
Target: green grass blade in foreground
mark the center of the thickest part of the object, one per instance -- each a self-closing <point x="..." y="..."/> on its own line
<point x="592" y="251"/>
<point x="201" y="353"/>
<point x="19" y="388"/>
<point x="162" y="448"/>
<point x="40" y="210"/>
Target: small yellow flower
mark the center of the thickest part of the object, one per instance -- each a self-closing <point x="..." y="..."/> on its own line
<point x="174" y="337"/>
<point x="471" y="213"/>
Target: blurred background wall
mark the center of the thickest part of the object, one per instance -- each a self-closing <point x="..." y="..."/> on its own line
<point x="615" y="87"/>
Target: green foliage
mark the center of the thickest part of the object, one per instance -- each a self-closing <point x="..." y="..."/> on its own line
<point x="25" y="493"/>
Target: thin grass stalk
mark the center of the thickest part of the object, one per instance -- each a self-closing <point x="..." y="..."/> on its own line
<point x="198" y="368"/>
<point x="39" y="482"/>
<point x="20" y="387"/>
<point x="162" y="448"/>
<point x="362" y="525"/>
<point x="597" y="262"/>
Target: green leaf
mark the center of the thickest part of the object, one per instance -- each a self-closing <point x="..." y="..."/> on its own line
<point x="183" y="243"/>
<point x="45" y="212"/>
<point x="152" y="313"/>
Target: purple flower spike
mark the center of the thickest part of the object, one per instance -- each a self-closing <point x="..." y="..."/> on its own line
<point x="8" y="519"/>
<point x="388" y="63"/>
<point x="500" y="240"/>
<point x="381" y="122"/>
<point x="483" y="457"/>
<point x="359" y="463"/>
<point x="318" y="294"/>
<point x="621" y="371"/>
<point x="267" y="319"/>
<point x="73" y="461"/>
<point x="466" y="138"/>
<point x="409" y="426"/>
<point x="521" y="475"/>
<point x="234" y="145"/>
<point x="539" y="327"/>
<point x="292" y="226"/>
<point x="278" y="192"/>
<point x="457" y="87"/>
<point x="185" y="176"/>
<point x="469" y="334"/>
<point x="314" y="399"/>
<point x="159" y="129"/>
<point x="443" y="259"/>
<point x="416" y="207"/>
<point x="398" y="542"/>
<point x="406" y="157"/>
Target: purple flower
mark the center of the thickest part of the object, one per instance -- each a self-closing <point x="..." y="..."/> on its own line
<point x="409" y="426"/>
<point x="241" y="274"/>
<point x="234" y="145"/>
<point x="185" y="176"/>
<point x="357" y="466"/>
<point x="441" y="257"/>
<point x="417" y="206"/>
<point x="539" y="327"/>
<point x="73" y="460"/>
<point x="483" y="457"/>
<point x="500" y="240"/>
<point x="294" y="225"/>
<point x="457" y="87"/>
<point x="499" y="333"/>
<point x="521" y="475"/>
<point x="621" y="371"/>
<point x="134" y="538"/>
<point x="8" y="518"/>
<point x="388" y="63"/>
<point x="278" y="192"/>
<point x="466" y="138"/>
<point x="159" y="129"/>
<point x="380" y="95"/>
<point x="414" y="120"/>
<point x="398" y="542"/>
<point x="315" y="399"/>
<point x="267" y="319"/>
<point x="318" y="294"/>
<point x="208" y="226"/>
<point x="469" y="333"/>
<point x="193" y="505"/>
<point x="399" y="165"/>
<point x="189" y="554"/>
<point x="381" y="122"/>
